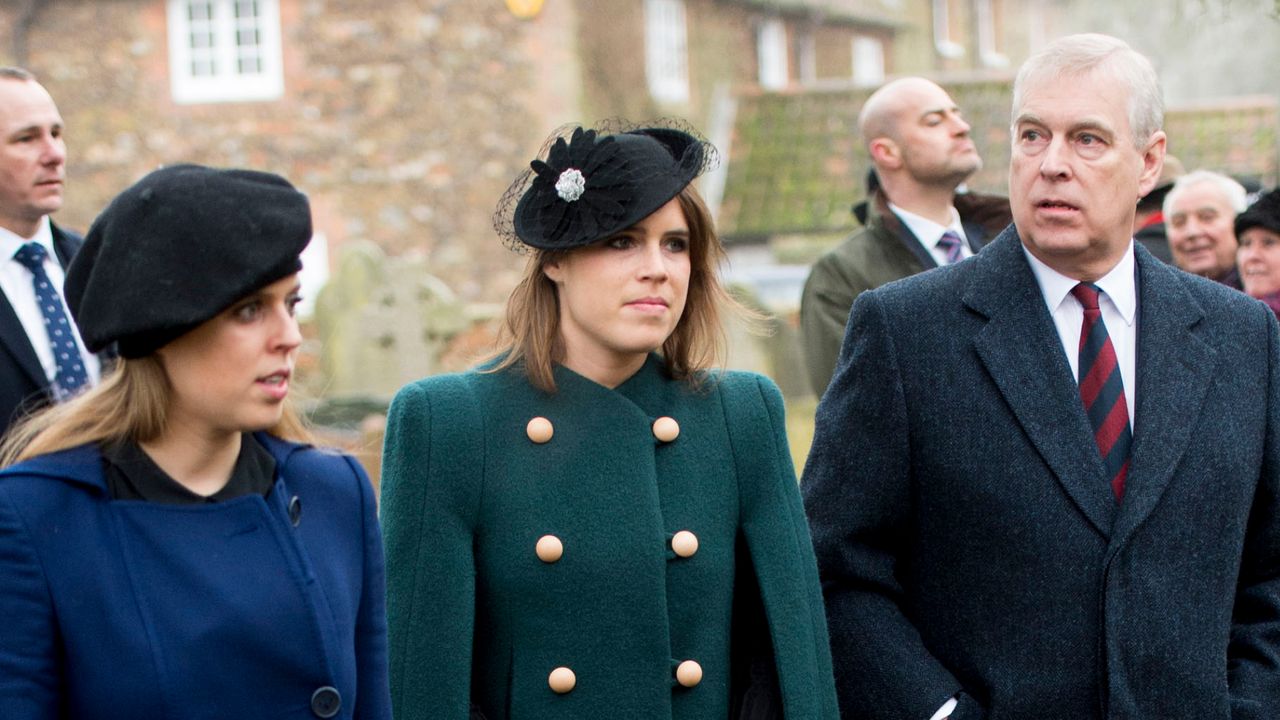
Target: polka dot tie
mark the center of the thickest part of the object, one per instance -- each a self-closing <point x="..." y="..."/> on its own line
<point x="72" y="376"/>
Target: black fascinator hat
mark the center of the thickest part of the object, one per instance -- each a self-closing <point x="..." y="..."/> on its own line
<point x="588" y="184"/>
<point x="1264" y="213"/>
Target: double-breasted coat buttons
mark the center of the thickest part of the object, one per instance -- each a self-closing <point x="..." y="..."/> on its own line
<point x="666" y="429"/>
<point x="688" y="673"/>
<point x="326" y="702"/>
<point x="549" y="548"/>
<point x="539" y="430"/>
<point x="562" y="680"/>
<point x="295" y="510"/>
<point x="684" y="544"/>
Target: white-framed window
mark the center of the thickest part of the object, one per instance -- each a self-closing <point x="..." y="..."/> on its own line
<point x="988" y="34"/>
<point x="806" y="55"/>
<point x="868" y="60"/>
<point x="771" y="54"/>
<point x="666" y="50"/>
<point x="224" y="50"/>
<point x="943" y="38"/>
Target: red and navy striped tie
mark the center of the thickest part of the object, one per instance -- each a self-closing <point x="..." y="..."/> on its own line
<point x="1102" y="390"/>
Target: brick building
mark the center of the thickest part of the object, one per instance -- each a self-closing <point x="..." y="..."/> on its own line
<point x="405" y="119"/>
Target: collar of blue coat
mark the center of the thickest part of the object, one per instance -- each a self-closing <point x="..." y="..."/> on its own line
<point x="82" y="464"/>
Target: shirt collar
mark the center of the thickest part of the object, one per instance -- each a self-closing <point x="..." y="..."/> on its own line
<point x="1118" y="284"/>
<point x="10" y="242"/>
<point x="927" y="231"/>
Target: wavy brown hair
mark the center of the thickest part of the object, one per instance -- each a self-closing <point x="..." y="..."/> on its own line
<point x="530" y="334"/>
<point x="130" y="404"/>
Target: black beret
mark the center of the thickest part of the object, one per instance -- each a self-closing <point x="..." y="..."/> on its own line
<point x="595" y="185"/>
<point x="179" y="246"/>
<point x="1264" y="213"/>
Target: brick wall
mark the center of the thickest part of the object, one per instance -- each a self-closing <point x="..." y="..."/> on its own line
<point x="403" y="120"/>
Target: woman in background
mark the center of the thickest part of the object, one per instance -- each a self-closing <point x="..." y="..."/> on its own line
<point x="168" y="545"/>
<point x="1258" y="257"/>
<point x="598" y="523"/>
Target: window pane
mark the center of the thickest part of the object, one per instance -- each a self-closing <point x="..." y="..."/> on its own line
<point x="666" y="50"/>
<point x="202" y="68"/>
<point x="771" y="54"/>
<point x="868" y="60"/>
<point x="224" y="50"/>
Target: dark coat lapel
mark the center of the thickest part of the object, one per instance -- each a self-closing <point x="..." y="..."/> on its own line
<point x="14" y="338"/>
<point x="1021" y="350"/>
<point x="1175" y="367"/>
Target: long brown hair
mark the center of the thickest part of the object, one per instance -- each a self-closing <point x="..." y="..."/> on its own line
<point x="530" y="334"/>
<point x="131" y="403"/>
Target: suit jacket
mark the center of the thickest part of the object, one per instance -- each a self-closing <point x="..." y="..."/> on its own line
<point x="966" y="534"/>
<point x="23" y="384"/>
<point x="248" y="608"/>
<point x="882" y="251"/>
<point x="479" y="619"/>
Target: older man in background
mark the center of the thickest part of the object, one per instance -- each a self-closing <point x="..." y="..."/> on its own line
<point x="1199" y="212"/>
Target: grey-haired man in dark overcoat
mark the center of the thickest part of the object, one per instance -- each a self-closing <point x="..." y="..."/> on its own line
<point x="1045" y="480"/>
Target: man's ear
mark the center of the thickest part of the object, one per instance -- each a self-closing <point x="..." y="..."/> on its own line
<point x="885" y="153"/>
<point x="1152" y="162"/>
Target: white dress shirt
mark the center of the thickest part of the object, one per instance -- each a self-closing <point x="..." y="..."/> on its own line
<point x="15" y="281"/>
<point x="1119" y="305"/>
<point x="929" y="232"/>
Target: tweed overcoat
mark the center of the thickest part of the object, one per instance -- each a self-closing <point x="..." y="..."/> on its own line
<point x="120" y="609"/>
<point x="966" y="533"/>
<point x="477" y="617"/>
<point x="884" y="250"/>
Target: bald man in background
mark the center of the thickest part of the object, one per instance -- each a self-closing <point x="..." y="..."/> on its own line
<point x="921" y="151"/>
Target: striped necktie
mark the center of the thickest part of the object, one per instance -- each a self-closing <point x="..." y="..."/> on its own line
<point x="1102" y="391"/>
<point x="951" y="243"/>
<point x="71" y="375"/>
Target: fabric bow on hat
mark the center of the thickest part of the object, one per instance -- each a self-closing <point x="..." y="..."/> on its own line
<point x="600" y="199"/>
<point x="595" y="182"/>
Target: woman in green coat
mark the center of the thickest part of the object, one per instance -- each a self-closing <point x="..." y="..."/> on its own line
<point x="597" y="524"/>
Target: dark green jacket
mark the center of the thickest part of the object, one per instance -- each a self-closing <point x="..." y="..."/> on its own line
<point x="476" y="617"/>
<point x="884" y="250"/>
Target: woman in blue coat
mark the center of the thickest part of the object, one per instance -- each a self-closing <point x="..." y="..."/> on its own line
<point x="598" y="525"/>
<point x="168" y="547"/>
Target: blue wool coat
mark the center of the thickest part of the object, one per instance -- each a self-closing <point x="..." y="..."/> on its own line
<point x="477" y="617"/>
<point x="965" y="528"/>
<point x="130" y="610"/>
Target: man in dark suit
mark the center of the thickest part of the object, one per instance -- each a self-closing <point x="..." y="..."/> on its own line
<point x="920" y="147"/>
<point x="41" y="355"/>
<point x="998" y="540"/>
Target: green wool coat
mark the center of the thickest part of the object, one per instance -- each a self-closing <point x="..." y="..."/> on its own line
<point x="476" y="617"/>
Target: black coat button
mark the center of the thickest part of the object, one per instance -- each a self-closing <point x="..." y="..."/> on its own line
<point x="325" y="702"/>
<point x="295" y="512"/>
